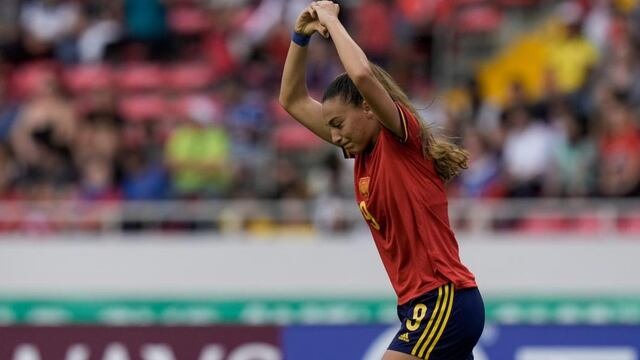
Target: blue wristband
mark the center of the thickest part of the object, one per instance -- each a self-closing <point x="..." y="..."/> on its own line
<point x="300" y="39"/>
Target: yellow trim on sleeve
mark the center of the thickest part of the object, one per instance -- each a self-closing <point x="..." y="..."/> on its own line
<point x="403" y="118"/>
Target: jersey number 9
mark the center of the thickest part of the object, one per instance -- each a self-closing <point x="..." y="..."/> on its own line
<point x="419" y="312"/>
<point x="367" y="215"/>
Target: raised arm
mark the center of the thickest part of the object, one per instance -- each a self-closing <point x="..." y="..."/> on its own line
<point x="294" y="96"/>
<point x="357" y="66"/>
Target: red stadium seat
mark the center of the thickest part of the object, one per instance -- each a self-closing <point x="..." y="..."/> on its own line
<point x="546" y="223"/>
<point x="295" y="137"/>
<point x="587" y="224"/>
<point x="138" y="77"/>
<point x="517" y="3"/>
<point x="188" y="20"/>
<point x="84" y="78"/>
<point x="143" y="107"/>
<point x="478" y="19"/>
<point x="463" y="3"/>
<point x="189" y="77"/>
<point x="26" y="79"/>
<point x="629" y="224"/>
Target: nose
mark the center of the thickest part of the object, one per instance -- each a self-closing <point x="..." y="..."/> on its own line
<point x="336" y="138"/>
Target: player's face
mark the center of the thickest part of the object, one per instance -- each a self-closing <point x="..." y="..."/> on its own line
<point x="351" y="127"/>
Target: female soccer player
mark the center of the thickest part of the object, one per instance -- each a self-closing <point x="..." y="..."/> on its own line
<point x="400" y="172"/>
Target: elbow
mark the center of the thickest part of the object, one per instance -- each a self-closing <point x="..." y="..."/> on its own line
<point x="363" y="75"/>
<point x="286" y="98"/>
<point x="289" y="100"/>
<point x="285" y="101"/>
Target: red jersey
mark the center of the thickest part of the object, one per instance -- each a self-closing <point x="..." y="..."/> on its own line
<point x="403" y="200"/>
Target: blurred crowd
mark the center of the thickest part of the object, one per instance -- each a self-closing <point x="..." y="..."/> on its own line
<point x="579" y="137"/>
<point x="177" y="99"/>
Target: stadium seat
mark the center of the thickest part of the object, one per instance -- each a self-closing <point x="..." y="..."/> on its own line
<point x="295" y="137"/>
<point x="188" y="20"/>
<point x="543" y="224"/>
<point x="143" y="107"/>
<point x="629" y="224"/>
<point x="478" y="19"/>
<point x="587" y="224"/>
<point x="138" y="77"/>
<point x="83" y="78"/>
<point x="517" y="3"/>
<point x="189" y="76"/>
<point x="27" y="78"/>
<point x="462" y="3"/>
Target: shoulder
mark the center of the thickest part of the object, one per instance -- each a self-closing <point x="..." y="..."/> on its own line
<point x="411" y="127"/>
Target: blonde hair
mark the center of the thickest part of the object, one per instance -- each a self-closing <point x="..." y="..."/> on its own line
<point x="449" y="159"/>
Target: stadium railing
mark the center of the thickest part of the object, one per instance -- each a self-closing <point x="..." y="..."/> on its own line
<point x="338" y="215"/>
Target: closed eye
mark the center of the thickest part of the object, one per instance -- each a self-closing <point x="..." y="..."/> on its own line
<point x="335" y="123"/>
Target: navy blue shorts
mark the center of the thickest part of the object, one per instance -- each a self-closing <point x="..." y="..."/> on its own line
<point x="443" y="324"/>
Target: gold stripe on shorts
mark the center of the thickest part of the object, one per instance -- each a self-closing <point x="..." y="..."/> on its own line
<point x="448" y="293"/>
<point x="426" y="329"/>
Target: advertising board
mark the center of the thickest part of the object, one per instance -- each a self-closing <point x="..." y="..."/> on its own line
<point x="499" y="342"/>
<point x="140" y="343"/>
<point x="322" y="342"/>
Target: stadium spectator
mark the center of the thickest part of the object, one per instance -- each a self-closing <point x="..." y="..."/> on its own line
<point x="198" y="154"/>
<point x="100" y="30"/>
<point x="572" y="56"/>
<point x="571" y="129"/>
<point x="8" y="15"/>
<point x="619" y="163"/>
<point x="288" y="182"/>
<point x="98" y="136"/>
<point x="483" y="178"/>
<point x="97" y="180"/>
<point x="9" y="171"/>
<point x="49" y="27"/>
<point x="573" y="158"/>
<point x="526" y="153"/>
<point x="9" y="109"/>
<point x="147" y="35"/>
<point x="45" y="133"/>
<point x="143" y="178"/>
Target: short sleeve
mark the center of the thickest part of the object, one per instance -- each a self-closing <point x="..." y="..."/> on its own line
<point x="410" y="125"/>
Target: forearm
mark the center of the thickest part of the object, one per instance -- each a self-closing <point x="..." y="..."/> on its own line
<point x="294" y="96"/>
<point x="353" y="59"/>
<point x="364" y="77"/>
<point x="294" y="76"/>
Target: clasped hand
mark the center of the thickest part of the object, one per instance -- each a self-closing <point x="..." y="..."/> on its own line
<point x="314" y="17"/>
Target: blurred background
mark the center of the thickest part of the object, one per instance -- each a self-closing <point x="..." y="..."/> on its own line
<point x="157" y="203"/>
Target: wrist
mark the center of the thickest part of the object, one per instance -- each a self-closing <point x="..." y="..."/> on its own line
<point x="300" y="39"/>
<point x="331" y="22"/>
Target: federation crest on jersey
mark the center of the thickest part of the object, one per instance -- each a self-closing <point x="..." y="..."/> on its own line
<point x="363" y="186"/>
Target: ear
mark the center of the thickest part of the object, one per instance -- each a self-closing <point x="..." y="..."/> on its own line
<point x="366" y="107"/>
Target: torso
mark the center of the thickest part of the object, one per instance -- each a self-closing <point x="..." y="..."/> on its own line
<point x="403" y="200"/>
